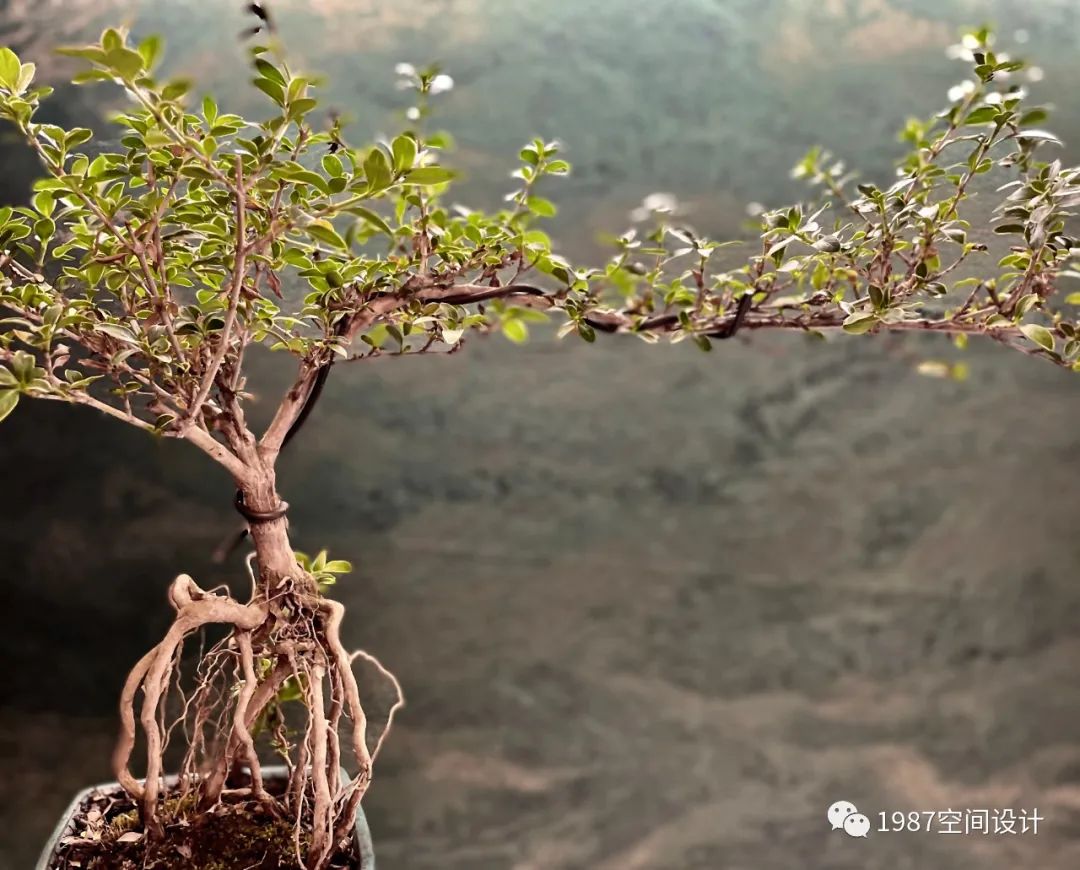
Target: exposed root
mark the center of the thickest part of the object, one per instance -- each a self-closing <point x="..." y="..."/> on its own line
<point x="241" y="729"/>
<point x="296" y="634"/>
<point x="322" y="823"/>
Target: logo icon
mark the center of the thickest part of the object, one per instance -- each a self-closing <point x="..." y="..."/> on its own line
<point x="845" y="816"/>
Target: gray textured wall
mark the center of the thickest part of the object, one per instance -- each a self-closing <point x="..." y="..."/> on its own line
<point x="652" y="608"/>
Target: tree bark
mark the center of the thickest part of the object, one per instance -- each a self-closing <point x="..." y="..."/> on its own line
<point x="258" y="487"/>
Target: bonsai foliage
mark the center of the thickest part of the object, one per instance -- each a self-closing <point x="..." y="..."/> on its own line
<point x="137" y="281"/>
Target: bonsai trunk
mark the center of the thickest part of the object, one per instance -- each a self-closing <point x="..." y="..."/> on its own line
<point x="270" y="538"/>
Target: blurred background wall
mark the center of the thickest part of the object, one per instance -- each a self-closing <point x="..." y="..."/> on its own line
<point x="652" y="608"/>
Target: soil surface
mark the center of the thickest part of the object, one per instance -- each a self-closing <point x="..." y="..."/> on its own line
<point x="106" y="834"/>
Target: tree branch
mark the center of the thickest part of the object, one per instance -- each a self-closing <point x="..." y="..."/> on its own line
<point x="234" y="300"/>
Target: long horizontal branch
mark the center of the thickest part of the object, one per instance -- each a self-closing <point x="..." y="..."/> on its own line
<point x="612" y="322"/>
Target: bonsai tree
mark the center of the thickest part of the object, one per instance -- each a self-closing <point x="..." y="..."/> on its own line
<point x="140" y="282"/>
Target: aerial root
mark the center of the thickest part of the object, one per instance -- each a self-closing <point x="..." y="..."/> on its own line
<point x="237" y="681"/>
<point x="153" y="674"/>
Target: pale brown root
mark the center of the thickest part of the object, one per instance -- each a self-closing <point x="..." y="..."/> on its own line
<point x="241" y="730"/>
<point x="232" y="691"/>
<point x="322" y="819"/>
<point x="126" y="742"/>
<point x="299" y="778"/>
<point x="340" y="659"/>
<point x="349" y="800"/>
<point x="399" y="702"/>
<point x="333" y="722"/>
<point x="263" y="694"/>
<point x="195" y="608"/>
<point x="352" y="801"/>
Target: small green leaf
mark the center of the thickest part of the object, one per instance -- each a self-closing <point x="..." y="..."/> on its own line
<point x="332" y="166"/>
<point x="1038" y="136"/>
<point x="269" y="71"/>
<point x="428" y="175"/>
<point x="271" y="88"/>
<point x="77" y="137"/>
<point x="150" y="50"/>
<point x="540" y="206"/>
<point x="301" y="106"/>
<point x="44" y="229"/>
<point x="10" y="67"/>
<point x="982" y="115"/>
<point x="325" y="232"/>
<point x="372" y="218"/>
<point x="1040" y="335"/>
<point x="126" y="62"/>
<point x="8" y="400"/>
<point x="377" y="169"/>
<point x="26" y="77"/>
<point x="515" y="330"/>
<point x="121" y="333"/>
<point x="860" y="323"/>
<point x="404" y="149"/>
<point x="43" y="203"/>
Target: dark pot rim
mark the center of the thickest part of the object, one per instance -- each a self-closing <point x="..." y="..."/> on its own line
<point x="48" y="854"/>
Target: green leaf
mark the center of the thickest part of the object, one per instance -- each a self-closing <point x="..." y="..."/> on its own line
<point x="306" y="176"/>
<point x="860" y="323"/>
<point x="44" y="229"/>
<point x="271" y="88"/>
<point x="1038" y="136"/>
<point x="150" y="50"/>
<point x="111" y="39"/>
<point x="269" y="71"/>
<point x="332" y="166"/>
<point x="85" y="52"/>
<point x="372" y="218"/>
<point x="301" y="106"/>
<point x="515" y="330"/>
<point x="176" y="88"/>
<point x="26" y="77"/>
<point x="404" y="148"/>
<point x="76" y="137"/>
<point x="121" y="333"/>
<point x="982" y="115"/>
<point x="128" y="63"/>
<point x="10" y="68"/>
<point x="324" y="231"/>
<point x="43" y="203"/>
<point x="377" y="169"/>
<point x="428" y="175"/>
<point x="8" y="400"/>
<point x="1040" y="335"/>
<point x="540" y="206"/>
